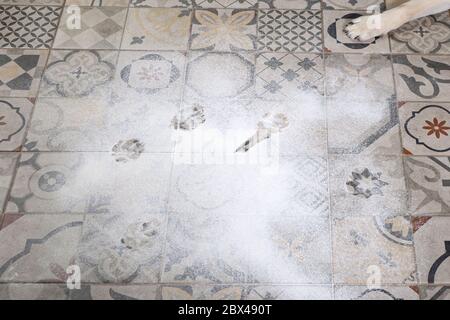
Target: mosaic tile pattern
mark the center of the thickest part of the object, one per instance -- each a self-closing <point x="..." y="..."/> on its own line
<point x="28" y="26"/>
<point x="222" y="149"/>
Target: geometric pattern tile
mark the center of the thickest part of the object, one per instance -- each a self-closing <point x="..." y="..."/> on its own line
<point x="98" y="3"/>
<point x="231" y="4"/>
<point x="21" y="71"/>
<point x="164" y="3"/>
<point x="352" y="4"/>
<point x="101" y="28"/>
<point x="425" y="35"/>
<point x="289" y="4"/>
<point x="336" y="40"/>
<point x="425" y="128"/>
<point x="290" y="31"/>
<point x="7" y="166"/>
<point x="288" y="75"/>
<point x="28" y="26"/>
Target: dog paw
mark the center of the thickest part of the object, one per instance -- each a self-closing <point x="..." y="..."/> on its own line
<point x="365" y="28"/>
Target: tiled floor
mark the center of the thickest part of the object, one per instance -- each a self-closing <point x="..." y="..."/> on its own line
<point x="221" y="149"/>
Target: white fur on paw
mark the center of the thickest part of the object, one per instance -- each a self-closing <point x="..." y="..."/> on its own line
<point x="363" y="29"/>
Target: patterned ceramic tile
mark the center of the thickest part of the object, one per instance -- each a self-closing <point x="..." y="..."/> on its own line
<point x="157" y="29"/>
<point x="228" y="4"/>
<point x="195" y="252"/>
<point x="435" y="292"/>
<point x="100" y="28"/>
<point x="426" y="35"/>
<point x="359" y="77"/>
<point x="301" y="189"/>
<point x="294" y="250"/>
<point x="65" y="182"/>
<point x="14" y="116"/>
<point x="425" y="128"/>
<point x="33" y="291"/>
<point x="121" y="248"/>
<point x="304" y="292"/>
<point x="76" y="74"/>
<point x="428" y="181"/>
<point x="361" y="186"/>
<point x="155" y="75"/>
<point x="432" y="243"/>
<point x="420" y="78"/>
<point x="36" y="28"/>
<point x="116" y="292"/>
<point x="220" y="75"/>
<point x="21" y="71"/>
<point x="336" y="40"/>
<point x="203" y="292"/>
<point x="98" y="3"/>
<point x="33" y="2"/>
<point x="89" y="124"/>
<point x="223" y="30"/>
<point x="290" y="31"/>
<point x="289" y="4"/>
<point x="352" y="4"/>
<point x="31" y="247"/>
<point x="381" y="293"/>
<point x="228" y="125"/>
<point x="162" y="3"/>
<point x="372" y="250"/>
<point x="288" y="75"/>
<point x="7" y="165"/>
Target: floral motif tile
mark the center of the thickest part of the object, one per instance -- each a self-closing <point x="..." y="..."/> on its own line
<point x="428" y="181"/>
<point x="98" y="3"/>
<point x="226" y="126"/>
<point x="422" y="78"/>
<point x="290" y="31"/>
<point x="223" y="30"/>
<point x="28" y="26"/>
<point x="100" y="28"/>
<point x="31" y="247"/>
<point x="373" y="250"/>
<point x="121" y="248"/>
<point x="376" y="293"/>
<point x="196" y="254"/>
<point x="425" y="35"/>
<point x="220" y="75"/>
<point x="33" y="291"/>
<point x="301" y="189"/>
<point x="432" y="244"/>
<point x="336" y="40"/>
<point x="7" y="165"/>
<point x="425" y="128"/>
<point x="78" y="73"/>
<point x="14" y="116"/>
<point x="65" y="182"/>
<point x="156" y="75"/>
<point x="430" y="292"/>
<point x="280" y="292"/>
<point x="352" y="4"/>
<point x="367" y="186"/>
<point x="162" y="3"/>
<point x="294" y="250"/>
<point x="226" y="4"/>
<point x="157" y="29"/>
<point x="94" y="124"/>
<point x="289" y="4"/>
<point x="289" y="75"/>
<point x="21" y="71"/>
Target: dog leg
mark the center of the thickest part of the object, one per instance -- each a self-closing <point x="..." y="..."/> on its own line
<point x="368" y="27"/>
